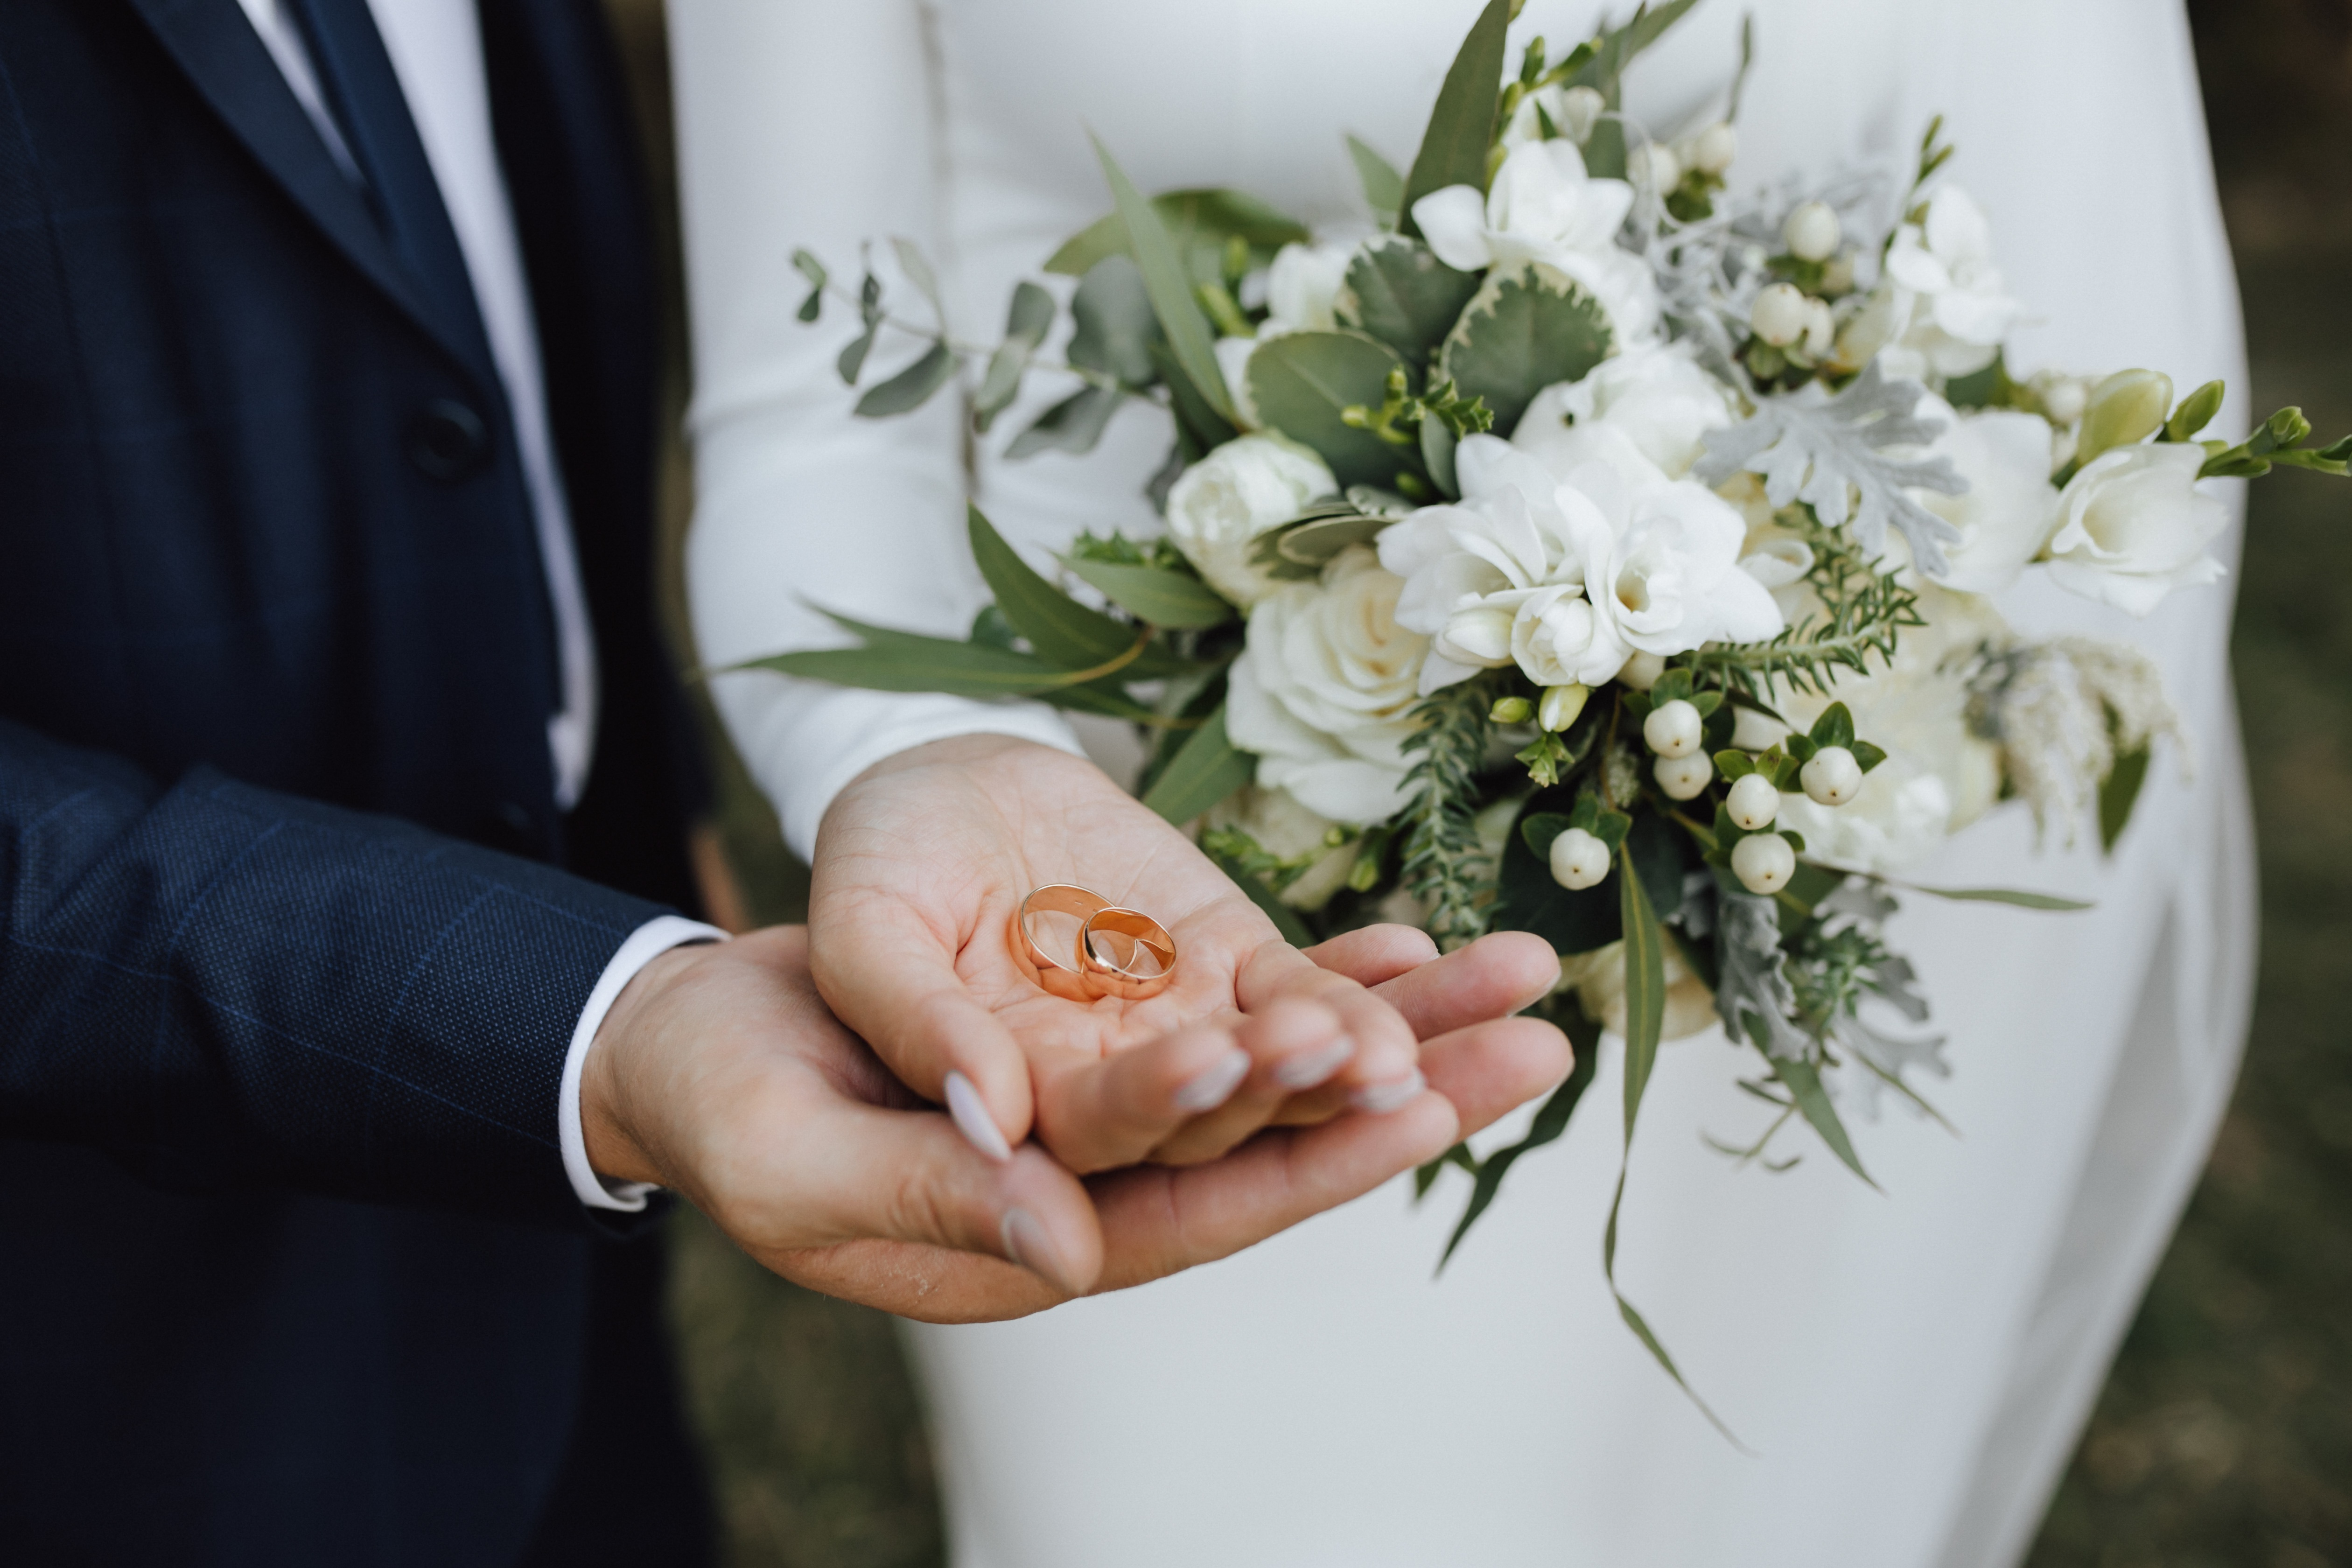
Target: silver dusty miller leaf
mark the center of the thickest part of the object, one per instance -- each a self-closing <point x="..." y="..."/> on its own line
<point x="1755" y="981"/>
<point x="1830" y="452"/>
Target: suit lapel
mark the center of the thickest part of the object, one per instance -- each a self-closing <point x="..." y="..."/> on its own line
<point x="215" y="43"/>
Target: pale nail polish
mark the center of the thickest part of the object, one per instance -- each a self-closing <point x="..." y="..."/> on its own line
<point x="1315" y="1066"/>
<point x="970" y="1113"/>
<point x="1214" y="1085"/>
<point x="1028" y="1243"/>
<point x="1380" y="1098"/>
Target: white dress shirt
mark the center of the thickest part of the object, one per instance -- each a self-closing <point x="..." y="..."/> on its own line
<point x="435" y="47"/>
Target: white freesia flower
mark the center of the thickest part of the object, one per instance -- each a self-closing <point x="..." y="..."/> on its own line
<point x="1657" y="396"/>
<point x="2133" y="526"/>
<point x="1938" y="776"/>
<point x="1301" y="287"/>
<point x="1568" y="577"/>
<point x="2010" y="508"/>
<point x="1220" y="505"/>
<point x="1543" y="207"/>
<point x="1964" y="308"/>
<point x="1325" y="687"/>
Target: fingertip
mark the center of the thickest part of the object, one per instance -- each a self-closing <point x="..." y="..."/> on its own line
<point x="1049" y="1226"/>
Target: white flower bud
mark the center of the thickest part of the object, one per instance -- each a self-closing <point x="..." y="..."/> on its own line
<point x="1560" y="706"/>
<point x="1811" y="233"/>
<point x="1821" y="330"/>
<point x="1833" y="777"/>
<point x="1713" y="149"/>
<point x="1779" y="315"/>
<point x="1642" y="671"/>
<point x="1655" y="167"/>
<point x="1763" y="862"/>
<point x="2063" y="398"/>
<point x="1753" y="803"/>
<point x="1579" y="860"/>
<point x="1681" y="778"/>
<point x="1674" y="728"/>
<point x="1578" y="108"/>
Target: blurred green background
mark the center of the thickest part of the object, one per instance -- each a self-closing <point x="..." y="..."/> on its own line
<point x="2224" y="1434"/>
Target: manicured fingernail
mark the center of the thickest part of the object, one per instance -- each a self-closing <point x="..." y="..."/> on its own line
<point x="1380" y="1098"/>
<point x="1214" y="1086"/>
<point x="972" y="1118"/>
<point x="1028" y="1243"/>
<point x="1315" y="1066"/>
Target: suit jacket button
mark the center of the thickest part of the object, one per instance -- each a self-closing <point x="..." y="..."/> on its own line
<point x="448" y="441"/>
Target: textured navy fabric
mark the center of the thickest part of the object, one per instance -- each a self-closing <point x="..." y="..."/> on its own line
<point x="292" y="935"/>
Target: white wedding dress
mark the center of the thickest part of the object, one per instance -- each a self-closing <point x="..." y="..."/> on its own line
<point x="1911" y="1367"/>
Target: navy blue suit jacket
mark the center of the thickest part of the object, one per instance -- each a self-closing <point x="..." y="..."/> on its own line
<point x="292" y="935"/>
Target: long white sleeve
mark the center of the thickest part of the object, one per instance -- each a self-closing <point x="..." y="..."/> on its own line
<point x="811" y="125"/>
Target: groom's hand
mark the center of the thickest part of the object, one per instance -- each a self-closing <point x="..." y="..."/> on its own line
<point x="721" y="1074"/>
<point x="919" y="866"/>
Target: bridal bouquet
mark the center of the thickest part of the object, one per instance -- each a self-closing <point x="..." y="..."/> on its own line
<point x="1583" y="550"/>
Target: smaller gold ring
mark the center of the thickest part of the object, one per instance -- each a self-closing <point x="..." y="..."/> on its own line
<point x="1057" y="976"/>
<point x="1134" y="960"/>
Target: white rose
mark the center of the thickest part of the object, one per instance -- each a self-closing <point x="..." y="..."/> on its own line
<point x="2133" y="526"/>
<point x="1219" y="506"/>
<point x="1658" y="396"/>
<point x="2006" y="514"/>
<point x="1543" y="207"/>
<point x="1964" y="309"/>
<point x="1324" y="690"/>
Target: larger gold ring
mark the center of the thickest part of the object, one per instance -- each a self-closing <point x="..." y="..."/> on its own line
<point x="1058" y="976"/>
<point x="1125" y="953"/>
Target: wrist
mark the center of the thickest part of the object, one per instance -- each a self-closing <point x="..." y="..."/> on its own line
<point x="618" y="1148"/>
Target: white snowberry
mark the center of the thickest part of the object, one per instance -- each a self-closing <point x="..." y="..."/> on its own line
<point x="1713" y="149"/>
<point x="1833" y="777"/>
<point x="1642" y="671"/>
<point x="1674" y="728"/>
<point x="1763" y="862"/>
<point x="1579" y="860"/>
<point x="1813" y="232"/>
<point x="1752" y="802"/>
<point x="1682" y="778"/>
<point x="1656" y="167"/>
<point x="1779" y="315"/>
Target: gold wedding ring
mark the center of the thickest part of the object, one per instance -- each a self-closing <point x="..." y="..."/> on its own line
<point x="1117" y="952"/>
<point x="1127" y="954"/>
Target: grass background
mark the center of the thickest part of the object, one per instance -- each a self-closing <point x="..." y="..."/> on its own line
<point x="2223" y="1439"/>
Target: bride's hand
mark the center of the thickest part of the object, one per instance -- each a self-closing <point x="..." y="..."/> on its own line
<point x="919" y="866"/>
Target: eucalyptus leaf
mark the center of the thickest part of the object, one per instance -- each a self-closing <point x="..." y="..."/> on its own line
<point x="919" y="273"/>
<point x="1397" y="292"/>
<point x="2009" y="896"/>
<point x="1073" y="425"/>
<point x="1383" y="186"/>
<point x="1804" y="1083"/>
<point x="1300" y="381"/>
<point x="1645" y="987"/>
<point x="925" y="664"/>
<point x="1206" y="770"/>
<point x="1063" y="631"/>
<point x="852" y="362"/>
<point x="1113" y="323"/>
<point x="1199" y="424"/>
<point x="1166" y="280"/>
<point x="911" y="388"/>
<point x="1315" y="545"/>
<point x="1154" y="593"/>
<point x="1526" y="328"/>
<point x="1199" y="222"/>
<point x="2118" y="793"/>
<point x="1551" y="1121"/>
<point x="1026" y="323"/>
<point x="1437" y="445"/>
<point x="1462" y="124"/>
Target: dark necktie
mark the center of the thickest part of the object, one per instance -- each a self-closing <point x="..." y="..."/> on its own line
<point x="365" y="96"/>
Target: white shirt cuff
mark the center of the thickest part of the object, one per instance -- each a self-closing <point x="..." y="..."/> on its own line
<point x="645" y="944"/>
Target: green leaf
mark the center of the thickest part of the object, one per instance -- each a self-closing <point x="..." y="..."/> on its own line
<point x="1551" y="1121"/>
<point x="1063" y="631"/>
<point x="1577" y="920"/>
<point x="1437" y="444"/>
<point x="1804" y="1083"/>
<point x="2003" y="896"/>
<point x="1300" y="381"/>
<point x="1734" y="764"/>
<point x="919" y="273"/>
<point x="1314" y="544"/>
<point x="1397" y="291"/>
<point x="1154" y="593"/>
<point x="1383" y="186"/>
<point x="1286" y="920"/>
<point x="805" y="263"/>
<point x="1113" y="323"/>
<point x="2195" y="412"/>
<point x="1834" y="727"/>
<point x="1026" y="326"/>
<point x="1867" y="754"/>
<point x="1526" y="328"/>
<point x="1645" y="987"/>
<point x="1208" y="768"/>
<point x="2118" y="793"/>
<point x="1462" y="124"/>
<point x="852" y="362"/>
<point x="1206" y="428"/>
<point x="1540" y="830"/>
<point x="919" y="664"/>
<point x="1073" y="425"/>
<point x="1199" y="222"/>
<point x="1166" y="280"/>
<point x="911" y="388"/>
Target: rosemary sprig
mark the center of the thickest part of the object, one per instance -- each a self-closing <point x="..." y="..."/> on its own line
<point x="1444" y="865"/>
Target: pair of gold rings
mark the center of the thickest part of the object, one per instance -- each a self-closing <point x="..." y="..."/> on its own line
<point x="1120" y="952"/>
